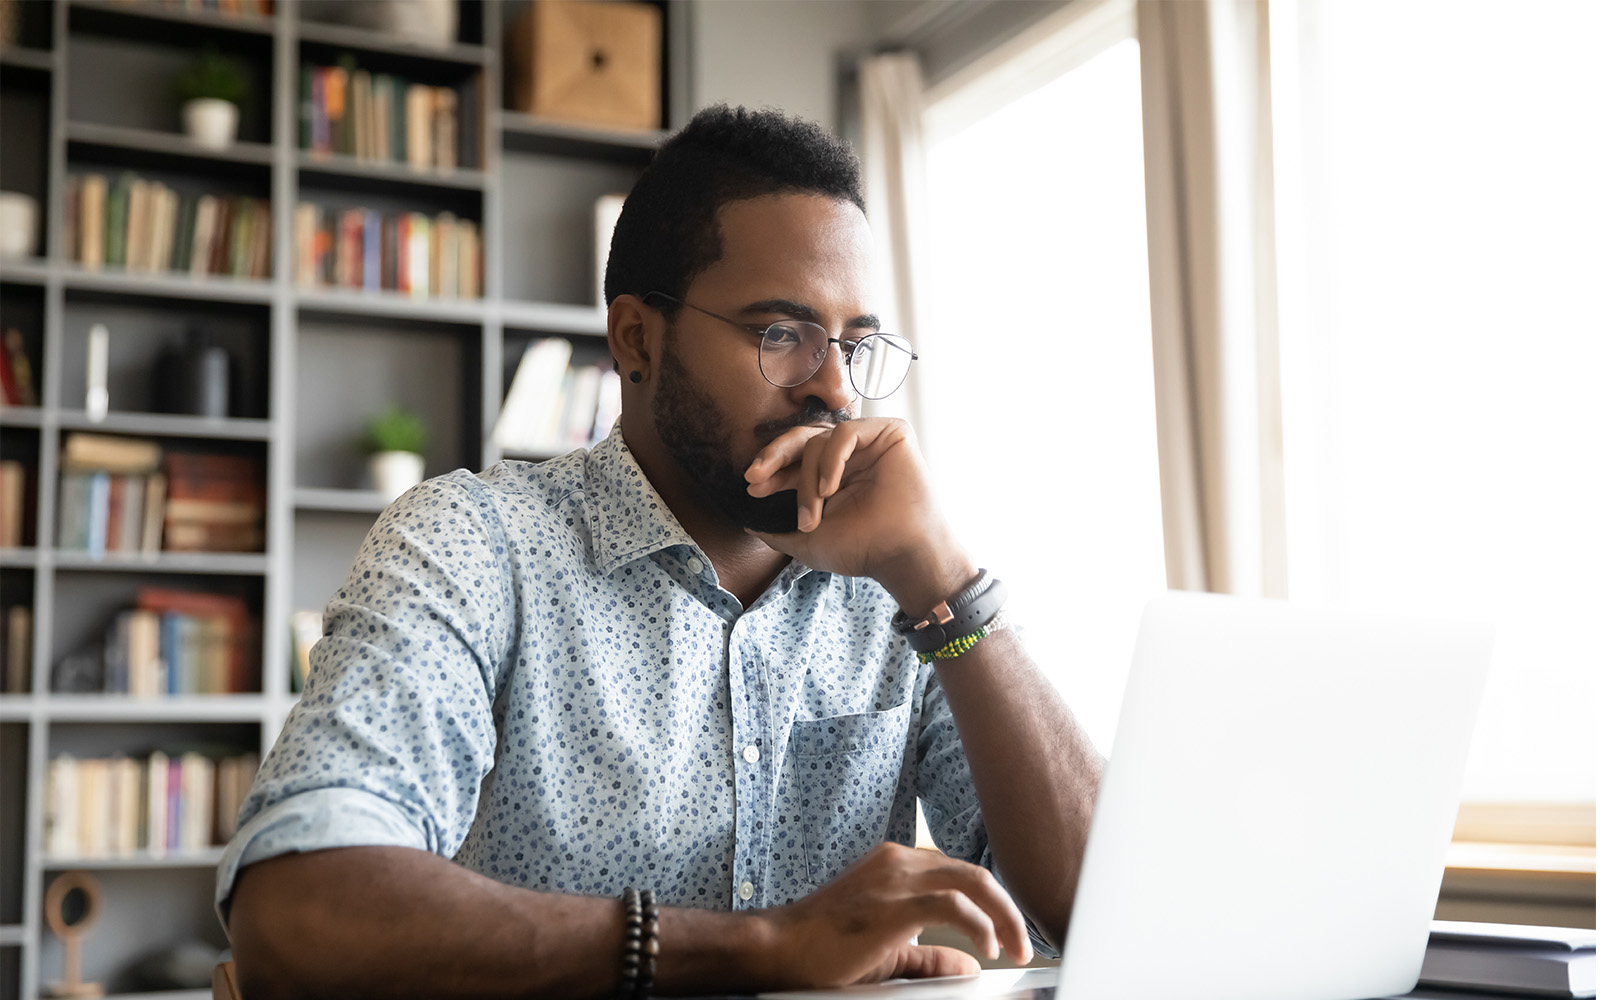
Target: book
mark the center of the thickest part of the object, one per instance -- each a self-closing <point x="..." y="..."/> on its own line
<point x="534" y="392"/>
<point x="108" y="453"/>
<point x="13" y="502"/>
<point x="18" y="649"/>
<point x="21" y="390"/>
<point x="92" y="222"/>
<point x="307" y="629"/>
<point x="1535" y="961"/>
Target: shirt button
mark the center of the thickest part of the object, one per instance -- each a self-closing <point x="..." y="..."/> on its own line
<point x="746" y="890"/>
<point x="752" y="753"/>
<point x="695" y="565"/>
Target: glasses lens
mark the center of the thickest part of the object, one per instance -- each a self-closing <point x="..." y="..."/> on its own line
<point x="879" y="364"/>
<point x="792" y="352"/>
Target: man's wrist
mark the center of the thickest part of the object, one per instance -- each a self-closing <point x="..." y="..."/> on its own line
<point x="919" y="582"/>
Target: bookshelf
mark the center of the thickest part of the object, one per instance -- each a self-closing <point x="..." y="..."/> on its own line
<point x="311" y="364"/>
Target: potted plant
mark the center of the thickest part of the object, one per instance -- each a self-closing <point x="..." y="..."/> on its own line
<point x="211" y="90"/>
<point x="395" y="440"/>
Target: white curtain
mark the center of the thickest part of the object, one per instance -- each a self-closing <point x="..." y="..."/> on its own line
<point x="892" y="182"/>
<point x="1208" y="197"/>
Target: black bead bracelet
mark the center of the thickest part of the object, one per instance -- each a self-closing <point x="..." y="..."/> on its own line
<point x="641" y="921"/>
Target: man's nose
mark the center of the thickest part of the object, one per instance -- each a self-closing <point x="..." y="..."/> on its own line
<point x="831" y="381"/>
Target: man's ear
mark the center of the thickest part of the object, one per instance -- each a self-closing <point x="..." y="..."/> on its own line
<point x="630" y="331"/>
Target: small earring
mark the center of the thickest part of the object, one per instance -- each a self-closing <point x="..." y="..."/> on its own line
<point x="635" y="377"/>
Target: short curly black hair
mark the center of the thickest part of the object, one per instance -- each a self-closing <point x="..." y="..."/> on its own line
<point x="668" y="234"/>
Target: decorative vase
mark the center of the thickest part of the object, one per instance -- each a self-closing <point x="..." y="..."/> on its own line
<point x="19" y="225"/>
<point x="394" y="472"/>
<point x="211" y="122"/>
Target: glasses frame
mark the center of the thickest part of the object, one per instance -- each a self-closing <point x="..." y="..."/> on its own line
<point x="759" y="330"/>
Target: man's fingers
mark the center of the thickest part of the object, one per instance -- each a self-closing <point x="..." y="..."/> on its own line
<point x="920" y="961"/>
<point x="835" y="456"/>
<point x="809" y="487"/>
<point x="783" y="450"/>
<point x="954" y="907"/>
<point x="986" y="892"/>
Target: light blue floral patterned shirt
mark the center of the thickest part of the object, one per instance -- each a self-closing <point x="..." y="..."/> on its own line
<point x="533" y="671"/>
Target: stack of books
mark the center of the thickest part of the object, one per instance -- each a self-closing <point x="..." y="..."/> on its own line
<point x="166" y="803"/>
<point x="553" y="406"/>
<point x="1508" y="959"/>
<point x="112" y="495"/>
<point x="422" y="256"/>
<point x="147" y="227"/>
<point x="385" y="118"/>
<point x="215" y="503"/>
<point x="176" y="642"/>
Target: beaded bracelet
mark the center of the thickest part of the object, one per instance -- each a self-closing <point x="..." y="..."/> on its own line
<point x="955" y="647"/>
<point x="641" y="920"/>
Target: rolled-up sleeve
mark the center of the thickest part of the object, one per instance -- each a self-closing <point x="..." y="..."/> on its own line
<point x="949" y="798"/>
<point x="395" y="731"/>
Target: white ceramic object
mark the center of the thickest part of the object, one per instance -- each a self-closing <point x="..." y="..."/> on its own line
<point x="394" y="472"/>
<point x="19" y="225"/>
<point x="211" y="122"/>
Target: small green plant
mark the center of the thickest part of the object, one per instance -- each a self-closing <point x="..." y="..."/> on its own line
<point x="396" y="430"/>
<point x="212" y="74"/>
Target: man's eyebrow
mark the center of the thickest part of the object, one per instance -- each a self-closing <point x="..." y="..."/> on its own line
<point x="799" y="310"/>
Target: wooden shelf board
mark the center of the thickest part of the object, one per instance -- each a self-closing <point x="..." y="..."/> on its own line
<point x="13" y="934"/>
<point x="391" y="305"/>
<point x="365" y="40"/>
<point x="208" y="858"/>
<point x="28" y="271"/>
<point x="389" y="172"/>
<point x="343" y="501"/>
<point x="213" y="287"/>
<point x="166" y="708"/>
<point x="170" y="425"/>
<point x="163" y="995"/>
<point x="16" y="707"/>
<point x="21" y="416"/>
<point x="553" y="317"/>
<point x="230" y="563"/>
<point x="167" y="144"/>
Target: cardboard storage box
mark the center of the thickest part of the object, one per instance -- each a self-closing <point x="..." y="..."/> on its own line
<point x="594" y="62"/>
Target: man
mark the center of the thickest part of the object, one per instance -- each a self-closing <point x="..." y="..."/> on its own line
<point x="669" y="663"/>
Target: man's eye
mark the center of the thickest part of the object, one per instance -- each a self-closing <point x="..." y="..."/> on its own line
<point x="779" y="335"/>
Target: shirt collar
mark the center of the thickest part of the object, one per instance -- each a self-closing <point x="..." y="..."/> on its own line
<point x="630" y="520"/>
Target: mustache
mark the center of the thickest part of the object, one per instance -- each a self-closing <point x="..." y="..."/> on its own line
<point x="814" y="415"/>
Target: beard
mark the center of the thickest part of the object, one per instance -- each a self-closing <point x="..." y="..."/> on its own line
<point x="697" y="435"/>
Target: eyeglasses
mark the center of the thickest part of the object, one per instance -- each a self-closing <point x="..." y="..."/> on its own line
<point x="793" y="350"/>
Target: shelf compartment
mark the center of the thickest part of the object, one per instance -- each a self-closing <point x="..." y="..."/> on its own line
<point x="547" y="244"/>
<point x="13" y="808"/>
<point x="27" y="60"/>
<point x="218" y="563"/>
<point x="110" y="141"/>
<point x="532" y="134"/>
<point x="339" y="501"/>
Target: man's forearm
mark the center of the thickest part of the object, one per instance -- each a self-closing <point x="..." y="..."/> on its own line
<point x="397" y="922"/>
<point x="1035" y="771"/>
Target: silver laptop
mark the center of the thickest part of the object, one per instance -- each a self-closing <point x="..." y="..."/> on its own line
<point x="1273" y="821"/>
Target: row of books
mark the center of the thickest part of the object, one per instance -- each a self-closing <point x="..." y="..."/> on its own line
<point x="254" y="8"/>
<point x="439" y="256"/>
<point x="146" y="226"/>
<point x="381" y="117"/>
<point x="166" y="803"/>
<point x="14" y="494"/>
<point x="17" y="649"/>
<point x="120" y="494"/>
<point x="17" y="387"/>
<point x="175" y="642"/>
<point x="554" y="406"/>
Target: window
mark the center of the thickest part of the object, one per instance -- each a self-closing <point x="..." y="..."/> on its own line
<point x="1038" y="412"/>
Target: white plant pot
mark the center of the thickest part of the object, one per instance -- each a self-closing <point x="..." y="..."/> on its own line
<point x="211" y="122"/>
<point x="394" y="472"/>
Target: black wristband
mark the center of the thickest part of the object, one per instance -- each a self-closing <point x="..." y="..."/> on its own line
<point x="969" y="610"/>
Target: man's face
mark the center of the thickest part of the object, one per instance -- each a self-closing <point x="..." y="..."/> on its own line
<point x="791" y="256"/>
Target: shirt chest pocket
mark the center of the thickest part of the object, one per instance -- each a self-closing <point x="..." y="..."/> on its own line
<point x="847" y="770"/>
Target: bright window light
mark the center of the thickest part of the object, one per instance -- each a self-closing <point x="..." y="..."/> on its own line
<point x="1038" y="413"/>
